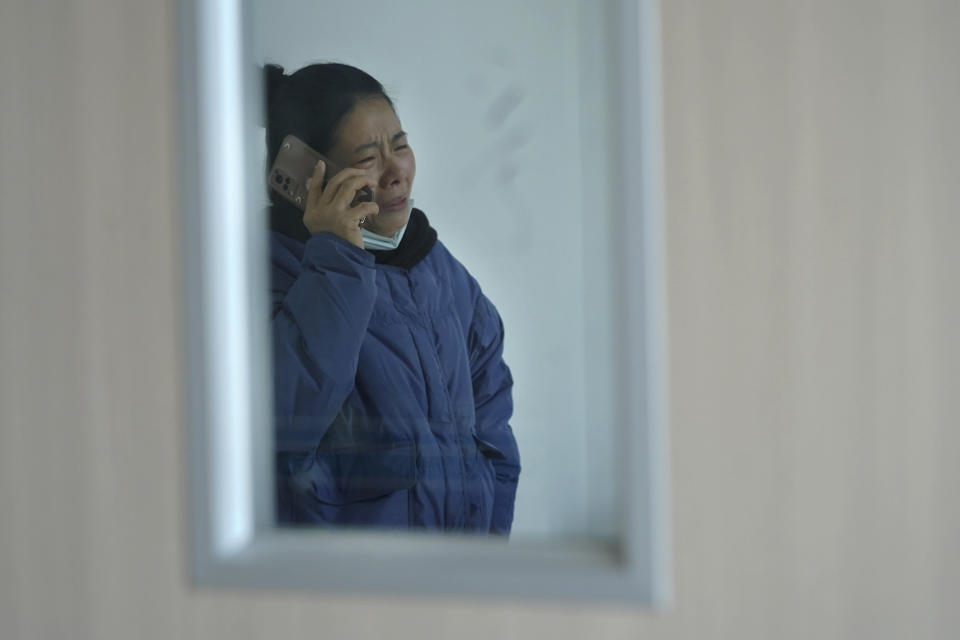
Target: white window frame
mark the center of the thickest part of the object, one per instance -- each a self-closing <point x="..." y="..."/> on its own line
<point x="234" y="540"/>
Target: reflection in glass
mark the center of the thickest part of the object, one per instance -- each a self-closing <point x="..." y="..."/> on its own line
<point x="511" y="116"/>
<point x="392" y="396"/>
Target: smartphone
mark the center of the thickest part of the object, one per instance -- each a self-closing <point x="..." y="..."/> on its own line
<point x="294" y="165"/>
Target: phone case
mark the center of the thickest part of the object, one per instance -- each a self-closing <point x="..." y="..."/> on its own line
<point x="293" y="166"/>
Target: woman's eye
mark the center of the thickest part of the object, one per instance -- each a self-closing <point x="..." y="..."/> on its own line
<point x="402" y="147"/>
<point x="366" y="160"/>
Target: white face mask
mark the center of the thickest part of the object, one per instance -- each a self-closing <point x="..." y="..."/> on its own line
<point x="378" y="242"/>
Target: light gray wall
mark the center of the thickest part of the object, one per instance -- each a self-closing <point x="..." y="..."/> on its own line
<point x="812" y="155"/>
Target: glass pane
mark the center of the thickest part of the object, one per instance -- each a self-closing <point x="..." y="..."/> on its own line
<point x="508" y="108"/>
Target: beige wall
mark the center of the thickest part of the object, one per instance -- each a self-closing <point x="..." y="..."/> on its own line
<point x="812" y="159"/>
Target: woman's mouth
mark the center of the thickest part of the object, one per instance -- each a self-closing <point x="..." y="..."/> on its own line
<point x="395" y="205"/>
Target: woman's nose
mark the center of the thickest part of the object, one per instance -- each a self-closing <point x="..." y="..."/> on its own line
<point x="393" y="172"/>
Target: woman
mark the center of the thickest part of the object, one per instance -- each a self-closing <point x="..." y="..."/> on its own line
<point x="392" y="397"/>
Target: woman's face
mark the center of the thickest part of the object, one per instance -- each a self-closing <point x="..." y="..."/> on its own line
<point x="370" y="138"/>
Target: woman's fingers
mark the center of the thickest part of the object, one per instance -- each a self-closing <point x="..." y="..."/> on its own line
<point x="331" y="208"/>
<point x="314" y="189"/>
<point x="365" y="210"/>
<point x="343" y="191"/>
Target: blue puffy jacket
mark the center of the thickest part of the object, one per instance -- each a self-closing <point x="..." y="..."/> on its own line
<point x="392" y="397"/>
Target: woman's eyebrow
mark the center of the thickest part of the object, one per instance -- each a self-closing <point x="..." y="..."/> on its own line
<point x="370" y="145"/>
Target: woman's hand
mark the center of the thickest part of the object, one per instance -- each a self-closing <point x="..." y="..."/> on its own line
<point x="330" y="209"/>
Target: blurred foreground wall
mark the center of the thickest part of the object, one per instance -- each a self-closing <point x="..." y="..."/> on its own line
<point x="813" y="211"/>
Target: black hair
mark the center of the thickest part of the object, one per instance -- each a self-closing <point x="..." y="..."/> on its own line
<point x="310" y="104"/>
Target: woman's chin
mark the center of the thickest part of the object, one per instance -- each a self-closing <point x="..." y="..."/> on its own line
<point x="388" y="223"/>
